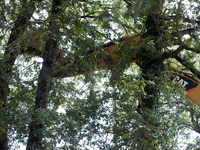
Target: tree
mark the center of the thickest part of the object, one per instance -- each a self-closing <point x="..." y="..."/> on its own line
<point x="8" y="60"/>
<point x="68" y="35"/>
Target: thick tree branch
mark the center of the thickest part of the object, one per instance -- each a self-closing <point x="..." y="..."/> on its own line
<point x="167" y="55"/>
<point x="191" y="49"/>
<point x="186" y="20"/>
<point x="129" y="27"/>
<point x="175" y="53"/>
<point x="188" y="31"/>
<point x="128" y="2"/>
<point x="191" y="21"/>
<point x="90" y="15"/>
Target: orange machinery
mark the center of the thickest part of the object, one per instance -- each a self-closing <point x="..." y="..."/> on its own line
<point x="191" y="85"/>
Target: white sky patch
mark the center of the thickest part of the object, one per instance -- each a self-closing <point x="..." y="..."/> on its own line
<point x="183" y="142"/>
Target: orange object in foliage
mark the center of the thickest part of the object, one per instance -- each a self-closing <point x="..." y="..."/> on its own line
<point x="110" y="58"/>
<point x="192" y="87"/>
<point x="110" y="51"/>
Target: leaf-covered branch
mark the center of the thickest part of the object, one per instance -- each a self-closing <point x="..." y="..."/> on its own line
<point x="185" y="20"/>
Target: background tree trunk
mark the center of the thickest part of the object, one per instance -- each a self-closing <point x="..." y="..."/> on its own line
<point x="150" y="70"/>
<point x="44" y="83"/>
<point x="8" y="61"/>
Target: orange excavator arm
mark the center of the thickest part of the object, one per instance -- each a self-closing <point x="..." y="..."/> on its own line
<point x="191" y="85"/>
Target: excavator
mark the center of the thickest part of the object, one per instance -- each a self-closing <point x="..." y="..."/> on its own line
<point x="190" y="83"/>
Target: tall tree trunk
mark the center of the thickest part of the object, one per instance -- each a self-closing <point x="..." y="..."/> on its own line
<point x="8" y="61"/>
<point x="149" y="65"/>
<point x="44" y="83"/>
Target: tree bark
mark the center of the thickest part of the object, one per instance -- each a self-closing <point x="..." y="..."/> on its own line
<point x="8" y="61"/>
<point x="44" y="86"/>
<point x="151" y="68"/>
<point x="44" y="83"/>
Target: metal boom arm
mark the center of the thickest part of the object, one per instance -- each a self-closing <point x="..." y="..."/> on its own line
<point x="192" y="86"/>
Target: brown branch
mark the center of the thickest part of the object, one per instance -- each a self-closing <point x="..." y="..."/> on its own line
<point x="88" y="16"/>
<point x="174" y="53"/>
<point x="128" y="2"/>
<point x="167" y="55"/>
<point x="186" y="20"/>
<point x="188" y="31"/>
<point x="129" y="27"/>
<point x="191" y="49"/>
<point x="190" y="20"/>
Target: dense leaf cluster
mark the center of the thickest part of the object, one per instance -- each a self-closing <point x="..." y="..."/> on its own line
<point x="44" y="47"/>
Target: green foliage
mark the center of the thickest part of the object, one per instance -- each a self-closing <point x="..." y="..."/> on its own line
<point x="100" y="108"/>
<point x="2" y="134"/>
